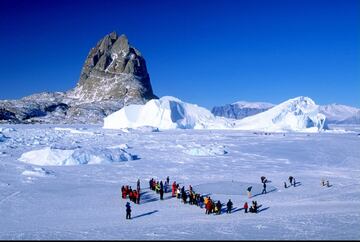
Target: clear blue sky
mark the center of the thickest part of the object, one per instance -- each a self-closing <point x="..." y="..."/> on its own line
<point x="204" y="52"/>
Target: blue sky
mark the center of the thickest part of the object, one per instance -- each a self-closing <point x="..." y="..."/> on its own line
<point x="204" y="52"/>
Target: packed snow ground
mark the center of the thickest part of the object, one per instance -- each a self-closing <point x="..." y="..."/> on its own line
<point x="83" y="201"/>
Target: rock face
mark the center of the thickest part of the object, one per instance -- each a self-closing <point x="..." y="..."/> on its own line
<point x="240" y="110"/>
<point x="114" y="75"/>
<point x="114" y="70"/>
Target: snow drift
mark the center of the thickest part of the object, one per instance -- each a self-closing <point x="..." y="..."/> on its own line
<point x="165" y="113"/>
<point x="297" y="114"/>
<point x="57" y="156"/>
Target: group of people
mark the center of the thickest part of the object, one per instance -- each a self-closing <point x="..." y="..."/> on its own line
<point x="292" y="182"/>
<point x="159" y="187"/>
<point x="134" y="195"/>
<point x="323" y="183"/>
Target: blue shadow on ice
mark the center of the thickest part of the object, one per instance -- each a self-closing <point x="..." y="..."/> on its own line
<point x="145" y="214"/>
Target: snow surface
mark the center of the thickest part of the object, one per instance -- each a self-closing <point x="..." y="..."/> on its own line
<point x="84" y="201"/>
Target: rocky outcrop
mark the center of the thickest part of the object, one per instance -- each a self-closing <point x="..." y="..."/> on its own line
<point x="114" y="70"/>
<point x="114" y="75"/>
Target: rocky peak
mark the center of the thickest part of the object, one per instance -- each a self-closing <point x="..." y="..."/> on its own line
<point x="114" y="70"/>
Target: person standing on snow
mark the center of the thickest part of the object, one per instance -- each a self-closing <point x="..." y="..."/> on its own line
<point x="290" y="180"/>
<point x="264" y="188"/>
<point x="246" y="206"/>
<point x="128" y="211"/>
<point x="138" y="184"/>
<point x="218" y="207"/>
<point x="173" y="189"/>
<point x="161" y="194"/>
<point x="229" y="206"/>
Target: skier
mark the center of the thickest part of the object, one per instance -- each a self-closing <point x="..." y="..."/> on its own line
<point x="246" y="206"/>
<point x="264" y="188"/>
<point x="249" y="191"/>
<point x="229" y="206"/>
<point x="327" y="183"/>
<point x="290" y="180"/>
<point x="168" y="180"/>
<point x="322" y="182"/>
<point x="128" y="211"/>
<point x="218" y="207"/>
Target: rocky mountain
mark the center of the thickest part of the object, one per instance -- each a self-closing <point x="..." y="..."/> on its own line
<point x="241" y="109"/>
<point x="114" y="75"/>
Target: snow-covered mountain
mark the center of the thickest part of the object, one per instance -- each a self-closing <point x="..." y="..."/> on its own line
<point x="297" y="114"/>
<point x="335" y="113"/>
<point x="341" y="114"/>
<point x="166" y="113"/>
<point x="114" y="74"/>
<point x="241" y="109"/>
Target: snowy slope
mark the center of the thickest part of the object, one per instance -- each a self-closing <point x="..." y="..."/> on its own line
<point x="297" y="114"/>
<point x="341" y="114"/>
<point x="165" y="113"/>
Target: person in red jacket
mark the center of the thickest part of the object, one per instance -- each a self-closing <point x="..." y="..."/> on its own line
<point x="208" y="206"/>
<point x="173" y="188"/>
<point x="246" y="206"/>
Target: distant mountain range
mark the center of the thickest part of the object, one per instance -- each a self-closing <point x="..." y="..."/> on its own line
<point x="335" y="113"/>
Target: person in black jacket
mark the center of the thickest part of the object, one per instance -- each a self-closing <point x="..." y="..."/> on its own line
<point x="128" y="211"/>
<point x="229" y="206"/>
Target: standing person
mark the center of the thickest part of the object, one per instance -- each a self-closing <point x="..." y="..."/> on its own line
<point x="138" y="184"/>
<point x="246" y="206"/>
<point x="183" y="195"/>
<point x="151" y="184"/>
<point x="128" y="211"/>
<point x="161" y="194"/>
<point x="166" y="186"/>
<point x="138" y="197"/>
<point x="327" y="183"/>
<point x="218" y="207"/>
<point x="285" y="186"/>
<point x="322" y="182"/>
<point x="168" y="180"/>
<point x="208" y="206"/>
<point x="249" y="191"/>
<point x="264" y="188"/>
<point x="229" y="206"/>
<point x="173" y="189"/>
<point x="290" y="180"/>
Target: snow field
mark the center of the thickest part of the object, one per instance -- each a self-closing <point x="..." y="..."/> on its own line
<point x="84" y="202"/>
